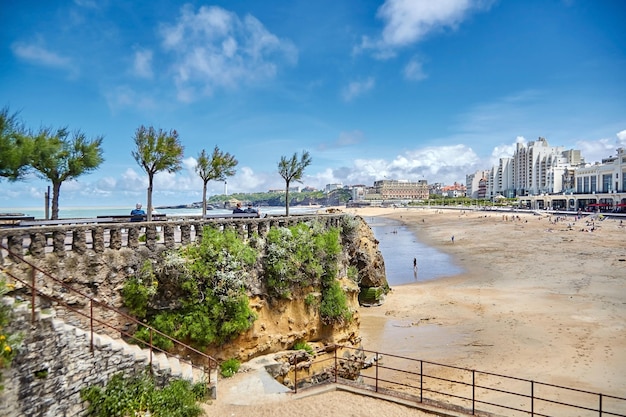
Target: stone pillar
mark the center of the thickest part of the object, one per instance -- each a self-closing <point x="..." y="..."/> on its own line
<point x="97" y="237"/>
<point x="133" y="237"/>
<point x="79" y="244"/>
<point x="185" y="234"/>
<point x="38" y="245"/>
<point x="151" y="237"/>
<point x="58" y="242"/>
<point x="116" y="238"/>
<point x="168" y="234"/>
<point x="15" y="244"/>
<point x="198" y="227"/>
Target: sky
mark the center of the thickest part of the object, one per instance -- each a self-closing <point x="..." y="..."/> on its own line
<point x="389" y="89"/>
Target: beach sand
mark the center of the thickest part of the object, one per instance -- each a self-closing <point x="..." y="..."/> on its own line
<point x="538" y="299"/>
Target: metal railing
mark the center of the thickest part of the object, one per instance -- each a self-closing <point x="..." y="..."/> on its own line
<point x="99" y="316"/>
<point x="466" y="390"/>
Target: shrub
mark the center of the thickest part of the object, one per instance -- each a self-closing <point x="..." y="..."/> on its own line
<point x="302" y="345"/>
<point x="138" y="395"/>
<point x="208" y="280"/>
<point x="334" y="306"/>
<point x="300" y="256"/>
<point x="229" y="367"/>
<point x="139" y="289"/>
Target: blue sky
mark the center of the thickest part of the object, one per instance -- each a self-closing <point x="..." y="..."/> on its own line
<point x="395" y="89"/>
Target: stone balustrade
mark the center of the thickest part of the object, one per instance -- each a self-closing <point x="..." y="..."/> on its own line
<point x="36" y="241"/>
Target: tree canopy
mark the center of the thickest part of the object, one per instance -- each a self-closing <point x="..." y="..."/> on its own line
<point x="292" y="169"/>
<point x="157" y="151"/>
<point x="218" y="166"/>
<point x="58" y="157"/>
<point x="15" y="148"/>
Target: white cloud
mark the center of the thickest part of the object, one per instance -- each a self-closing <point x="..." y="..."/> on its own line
<point x="40" y="56"/>
<point x="214" y="48"/>
<point x="353" y="137"/>
<point x="414" y="71"/>
<point x="434" y="164"/>
<point x="357" y="88"/>
<point x="126" y="97"/>
<point x="142" y="64"/>
<point x="596" y="150"/>
<point x="407" y="22"/>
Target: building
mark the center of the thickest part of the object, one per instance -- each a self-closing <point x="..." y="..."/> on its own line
<point x="476" y="184"/>
<point x="400" y="190"/>
<point x="600" y="187"/>
<point x="538" y="168"/>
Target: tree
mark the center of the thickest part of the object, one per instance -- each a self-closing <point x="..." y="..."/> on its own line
<point x="59" y="158"/>
<point x="15" y="147"/>
<point x="217" y="167"/>
<point x="292" y="170"/>
<point x="157" y="151"/>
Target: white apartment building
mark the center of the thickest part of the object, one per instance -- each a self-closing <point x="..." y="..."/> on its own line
<point x="535" y="168"/>
<point x="609" y="176"/>
<point x="476" y="183"/>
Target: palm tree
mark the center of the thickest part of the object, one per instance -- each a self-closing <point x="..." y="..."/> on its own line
<point x="217" y="167"/>
<point x="292" y="170"/>
<point x="157" y="151"/>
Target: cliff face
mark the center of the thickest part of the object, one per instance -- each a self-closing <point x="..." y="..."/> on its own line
<point x="280" y="323"/>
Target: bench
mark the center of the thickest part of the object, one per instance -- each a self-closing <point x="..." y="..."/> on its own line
<point x="129" y="218"/>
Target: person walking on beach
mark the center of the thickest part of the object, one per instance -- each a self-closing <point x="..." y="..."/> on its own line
<point x="414" y="263"/>
<point x="452" y="238"/>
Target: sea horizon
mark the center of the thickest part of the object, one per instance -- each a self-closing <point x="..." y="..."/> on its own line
<point x="80" y="212"/>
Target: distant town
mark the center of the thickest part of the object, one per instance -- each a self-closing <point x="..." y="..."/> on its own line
<point x="537" y="176"/>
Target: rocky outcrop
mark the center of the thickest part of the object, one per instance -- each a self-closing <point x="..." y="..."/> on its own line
<point x="280" y="323"/>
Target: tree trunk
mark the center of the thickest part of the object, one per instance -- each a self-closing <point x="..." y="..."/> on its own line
<point x="149" y="212"/>
<point x="204" y="199"/>
<point x="287" y="198"/>
<point x="56" y="189"/>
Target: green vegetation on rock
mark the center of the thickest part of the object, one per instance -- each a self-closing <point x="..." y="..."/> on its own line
<point x="207" y="282"/>
<point x="229" y="367"/>
<point x="138" y="395"/>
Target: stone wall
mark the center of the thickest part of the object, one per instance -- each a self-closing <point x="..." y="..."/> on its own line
<point x="55" y="362"/>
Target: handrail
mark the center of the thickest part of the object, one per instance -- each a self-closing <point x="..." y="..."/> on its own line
<point x="212" y="362"/>
<point x="418" y="387"/>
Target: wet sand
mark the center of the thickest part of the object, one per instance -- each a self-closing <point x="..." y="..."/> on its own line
<point x="538" y="299"/>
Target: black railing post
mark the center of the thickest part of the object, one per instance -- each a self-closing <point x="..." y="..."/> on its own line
<point x="421" y="380"/>
<point x="33" y="291"/>
<point x="532" y="398"/>
<point x="600" y="405"/>
<point x="91" y="324"/>
<point x="335" y="367"/>
<point x="376" y="361"/>
<point x="295" y="374"/>
<point x="151" y="350"/>
<point x="473" y="392"/>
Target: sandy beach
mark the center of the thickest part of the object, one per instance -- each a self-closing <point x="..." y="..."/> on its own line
<point x="540" y="298"/>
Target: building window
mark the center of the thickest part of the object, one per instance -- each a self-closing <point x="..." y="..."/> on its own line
<point x="594" y="184"/>
<point x="586" y="185"/>
<point x="606" y="183"/>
